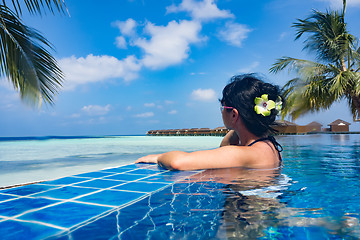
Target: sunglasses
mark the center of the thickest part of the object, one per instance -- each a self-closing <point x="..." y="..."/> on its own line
<point x="225" y="107"/>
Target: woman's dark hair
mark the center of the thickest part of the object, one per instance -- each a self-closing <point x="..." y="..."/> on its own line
<point x="241" y="92"/>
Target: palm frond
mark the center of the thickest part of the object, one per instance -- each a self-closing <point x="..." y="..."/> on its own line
<point x="305" y="68"/>
<point x="293" y="64"/>
<point x="304" y="96"/>
<point x="356" y="63"/>
<point x="37" y="6"/>
<point x="328" y="37"/>
<point x="25" y="60"/>
<point x="355" y="84"/>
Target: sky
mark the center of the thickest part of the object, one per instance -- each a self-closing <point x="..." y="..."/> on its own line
<point x="136" y="65"/>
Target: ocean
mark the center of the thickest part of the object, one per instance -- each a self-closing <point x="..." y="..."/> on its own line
<point x="24" y="160"/>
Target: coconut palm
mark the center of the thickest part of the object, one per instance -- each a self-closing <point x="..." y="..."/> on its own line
<point x="336" y="73"/>
<point x="24" y="58"/>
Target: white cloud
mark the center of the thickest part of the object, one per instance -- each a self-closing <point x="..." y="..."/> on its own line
<point x="282" y="36"/>
<point x="97" y="68"/>
<point x="168" y="102"/>
<point x="234" y="33"/>
<point x="127" y="28"/>
<point x="128" y="108"/>
<point x="75" y="115"/>
<point x="172" y="112"/>
<point x="338" y="4"/>
<point x="149" y="104"/>
<point x="120" y="42"/>
<point x="199" y="73"/>
<point x="250" y="68"/>
<point x="200" y="10"/>
<point x="95" y="110"/>
<point x="204" y="95"/>
<point x="144" y="115"/>
<point x="169" y="44"/>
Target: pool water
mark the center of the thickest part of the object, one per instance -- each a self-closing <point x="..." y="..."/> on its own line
<point x="316" y="195"/>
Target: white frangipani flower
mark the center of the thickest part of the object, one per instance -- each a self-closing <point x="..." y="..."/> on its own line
<point x="263" y="105"/>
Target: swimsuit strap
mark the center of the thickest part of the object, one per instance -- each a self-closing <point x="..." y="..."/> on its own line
<point x="277" y="145"/>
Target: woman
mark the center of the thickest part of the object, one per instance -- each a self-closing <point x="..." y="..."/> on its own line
<point x="248" y="106"/>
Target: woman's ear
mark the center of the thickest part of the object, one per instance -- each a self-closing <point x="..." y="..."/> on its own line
<point x="235" y="115"/>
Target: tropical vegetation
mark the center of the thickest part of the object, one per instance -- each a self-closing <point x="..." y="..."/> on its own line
<point x="333" y="76"/>
<point x="25" y="59"/>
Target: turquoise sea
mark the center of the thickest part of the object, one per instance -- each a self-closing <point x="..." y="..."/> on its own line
<point x="24" y="160"/>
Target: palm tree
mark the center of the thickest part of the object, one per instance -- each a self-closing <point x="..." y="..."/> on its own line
<point x="24" y="58"/>
<point x="336" y="73"/>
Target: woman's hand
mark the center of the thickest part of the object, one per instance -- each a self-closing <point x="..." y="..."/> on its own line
<point x="152" y="158"/>
<point x="231" y="138"/>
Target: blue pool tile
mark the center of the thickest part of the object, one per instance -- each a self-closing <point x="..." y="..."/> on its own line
<point x="101" y="183"/>
<point x="4" y="197"/>
<point x="10" y="230"/>
<point x="94" y="174"/>
<point x="66" y="181"/>
<point x="28" y="189"/>
<point x="103" y="228"/>
<point x="66" y="214"/>
<point x="135" y="166"/>
<point x="20" y="205"/>
<point x="141" y="186"/>
<point x="145" y="171"/>
<point x="179" y="173"/>
<point x="108" y="197"/>
<point x="116" y="170"/>
<point x="125" y="177"/>
<point x="159" y="178"/>
<point x="65" y="192"/>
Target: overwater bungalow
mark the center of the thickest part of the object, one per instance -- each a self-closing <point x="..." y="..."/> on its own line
<point x="219" y="131"/>
<point x="285" y="127"/>
<point x="309" y="128"/>
<point x="199" y="131"/>
<point x="339" y="126"/>
<point x="204" y="131"/>
<point x="314" y="127"/>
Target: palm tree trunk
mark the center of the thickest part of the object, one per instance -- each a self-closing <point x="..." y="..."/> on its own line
<point x="356" y="103"/>
<point x="343" y="65"/>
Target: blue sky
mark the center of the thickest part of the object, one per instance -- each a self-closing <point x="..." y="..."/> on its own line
<point x="136" y="65"/>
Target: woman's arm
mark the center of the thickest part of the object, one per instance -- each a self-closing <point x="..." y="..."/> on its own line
<point x="231" y="138"/>
<point x="260" y="156"/>
<point x="224" y="157"/>
<point x="208" y="159"/>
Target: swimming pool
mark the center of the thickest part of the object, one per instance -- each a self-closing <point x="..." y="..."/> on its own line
<point x="315" y="196"/>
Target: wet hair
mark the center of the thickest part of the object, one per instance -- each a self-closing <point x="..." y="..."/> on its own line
<point x="241" y="92"/>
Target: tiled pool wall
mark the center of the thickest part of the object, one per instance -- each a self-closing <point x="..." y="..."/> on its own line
<point x="69" y="206"/>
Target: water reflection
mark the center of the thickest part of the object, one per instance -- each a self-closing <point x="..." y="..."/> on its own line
<point x="340" y="138"/>
<point x="255" y="207"/>
<point x="319" y="139"/>
<point x="236" y="204"/>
